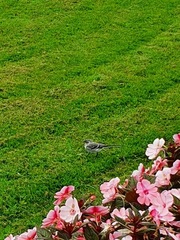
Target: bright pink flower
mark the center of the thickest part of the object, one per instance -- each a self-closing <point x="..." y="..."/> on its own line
<point x="80" y="238"/>
<point x="137" y="174"/>
<point x="158" y="164"/>
<point x="154" y="148"/>
<point x="97" y="210"/>
<point x="114" y="236"/>
<point x="70" y="211"/>
<point x="80" y="234"/>
<point x="163" y="177"/>
<point x="176" y="167"/>
<point x="110" y="189"/>
<point x="63" y="194"/>
<point x="29" y="235"/>
<point x="121" y="213"/>
<point x="146" y="191"/>
<point x="10" y="237"/>
<point x="176" y="138"/>
<point x="53" y="218"/>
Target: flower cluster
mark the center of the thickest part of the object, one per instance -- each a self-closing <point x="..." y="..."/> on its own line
<point x="145" y="206"/>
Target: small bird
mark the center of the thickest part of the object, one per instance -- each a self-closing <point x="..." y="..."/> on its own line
<point x="94" y="147"/>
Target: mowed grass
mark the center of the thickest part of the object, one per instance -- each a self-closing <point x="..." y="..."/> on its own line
<point x="74" y="70"/>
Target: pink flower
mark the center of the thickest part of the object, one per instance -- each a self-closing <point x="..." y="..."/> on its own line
<point x="158" y="164"/>
<point x="128" y="237"/>
<point x="70" y="211"/>
<point x="114" y="236"/>
<point x="53" y="217"/>
<point x="63" y="194"/>
<point x="176" y="138"/>
<point x="137" y="174"/>
<point x="176" y="167"/>
<point x="106" y="226"/>
<point x="175" y="223"/>
<point x="29" y="235"/>
<point x="173" y="236"/>
<point x="160" y="215"/>
<point x="163" y="177"/>
<point x="159" y="209"/>
<point x="110" y="189"/>
<point x="122" y="213"/>
<point x="146" y="191"/>
<point x="163" y="200"/>
<point x="154" y="148"/>
<point x="175" y="192"/>
<point x="10" y="237"/>
<point x="97" y="210"/>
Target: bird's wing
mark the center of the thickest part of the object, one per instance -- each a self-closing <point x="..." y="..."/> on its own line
<point x="93" y="145"/>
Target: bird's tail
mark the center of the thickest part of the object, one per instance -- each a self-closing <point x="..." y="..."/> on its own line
<point x="111" y="146"/>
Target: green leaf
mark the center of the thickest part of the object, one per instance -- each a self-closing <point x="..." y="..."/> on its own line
<point x="63" y="235"/>
<point x="176" y="201"/>
<point x="120" y="220"/>
<point x="131" y="183"/>
<point x="150" y="178"/>
<point x="145" y="213"/>
<point x="90" y="234"/>
<point x="43" y="233"/>
<point x="131" y="215"/>
<point x="136" y="211"/>
<point x="117" y="203"/>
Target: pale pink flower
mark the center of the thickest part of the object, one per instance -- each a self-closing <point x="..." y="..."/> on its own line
<point x="110" y="189"/>
<point x="121" y="213"/>
<point x="137" y="174"/>
<point x="63" y="194"/>
<point x="175" y="223"/>
<point x="176" y="138"/>
<point x="158" y="164"/>
<point x="53" y="218"/>
<point x="175" y="192"/>
<point x="174" y="236"/>
<point x="159" y="209"/>
<point x="106" y="226"/>
<point x="29" y="235"/>
<point x="114" y="236"/>
<point x="154" y="148"/>
<point x="70" y="211"/>
<point x="168" y="232"/>
<point x="176" y="167"/>
<point x="159" y="215"/>
<point x="146" y="191"/>
<point x="128" y="237"/>
<point x="10" y="237"/>
<point x="163" y="200"/>
<point x="163" y="177"/>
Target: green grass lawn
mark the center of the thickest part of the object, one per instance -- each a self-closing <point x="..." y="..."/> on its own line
<point x="77" y="69"/>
